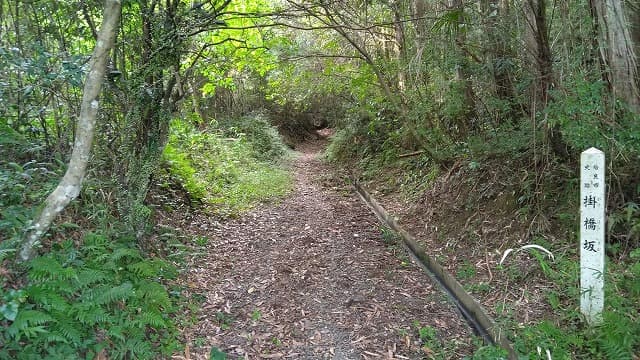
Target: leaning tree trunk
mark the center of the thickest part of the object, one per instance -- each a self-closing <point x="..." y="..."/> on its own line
<point x="70" y="185"/>
<point x="617" y="49"/>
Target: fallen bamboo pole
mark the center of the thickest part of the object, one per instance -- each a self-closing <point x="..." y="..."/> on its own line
<point x="469" y="307"/>
<point x="411" y="154"/>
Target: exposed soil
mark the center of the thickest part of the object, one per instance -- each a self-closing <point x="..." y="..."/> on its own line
<point x="312" y="277"/>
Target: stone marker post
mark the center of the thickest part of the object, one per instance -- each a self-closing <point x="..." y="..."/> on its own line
<point x="592" y="227"/>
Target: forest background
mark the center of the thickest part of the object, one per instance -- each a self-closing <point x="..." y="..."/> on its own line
<point x="196" y="97"/>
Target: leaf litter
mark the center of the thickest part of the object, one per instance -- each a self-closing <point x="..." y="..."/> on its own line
<point x="311" y="277"/>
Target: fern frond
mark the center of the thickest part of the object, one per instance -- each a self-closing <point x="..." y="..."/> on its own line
<point x="152" y="319"/>
<point x="48" y="299"/>
<point x="95" y="241"/>
<point x="55" y="338"/>
<point x="28" y="323"/>
<point x="102" y="258"/>
<point x="88" y="277"/>
<point x="65" y="327"/>
<point x="137" y="348"/>
<point x="45" y="268"/>
<point x="91" y="314"/>
<point x="617" y="336"/>
<point x="153" y="294"/>
<point x="111" y="294"/>
<point x="143" y="269"/>
<point x="153" y="268"/>
<point x="116" y="332"/>
<point x="6" y="253"/>
<point x="33" y="331"/>
<point x="122" y="253"/>
<point x="614" y="348"/>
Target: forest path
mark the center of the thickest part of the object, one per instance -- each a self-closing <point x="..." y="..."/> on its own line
<point x="312" y="278"/>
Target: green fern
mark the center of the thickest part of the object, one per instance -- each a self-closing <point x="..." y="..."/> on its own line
<point x="29" y="323"/>
<point x="133" y="348"/>
<point x="90" y="314"/>
<point x="54" y="337"/>
<point x="74" y="293"/>
<point x="615" y="346"/>
<point x="144" y="268"/>
<point x="67" y="328"/>
<point x="6" y="253"/>
<point x="124" y="252"/>
<point x="617" y="336"/>
<point x="116" y="332"/>
<point x="95" y="244"/>
<point x="88" y="277"/>
<point x="109" y="294"/>
<point x="47" y="268"/>
<point x="153" y="319"/>
<point x="153" y="294"/>
<point x="33" y="331"/>
<point x="48" y="300"/>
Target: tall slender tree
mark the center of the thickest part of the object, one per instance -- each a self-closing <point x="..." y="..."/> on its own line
<point x="498" y="54"/>
<point x="538" y="48"/>
<point x="618" y="49"/>
<point x="70" y="185"/>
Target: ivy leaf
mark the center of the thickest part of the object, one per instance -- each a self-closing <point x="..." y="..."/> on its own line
<point x="9" y="310"/>
<point x="216" y="354"/>
<point x="12" y="299"/>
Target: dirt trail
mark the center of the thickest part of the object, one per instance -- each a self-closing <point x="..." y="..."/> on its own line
<point x="312" y="278"/>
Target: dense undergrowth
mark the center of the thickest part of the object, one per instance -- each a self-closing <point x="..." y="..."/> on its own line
<point x="105" y="296"/>
<point x="96" y="290"/>
<point x="230" y="167"/>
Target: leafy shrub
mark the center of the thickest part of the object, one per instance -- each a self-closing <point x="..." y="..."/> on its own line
<point x="182" y="168"/>
<point x="262" y="137"/>
<point x="583" y="113"/>
<point x="344" y="145"/>
<point x="579" y="111"/>
<point x="80" y="301"/>
<point x="366" y="135"/>
<point x="21" y="186"/>
<point x="489" y="352"/>
<point x="226" y="174"/>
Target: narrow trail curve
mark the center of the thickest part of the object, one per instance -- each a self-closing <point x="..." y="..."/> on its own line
<point x="312" y="278"/>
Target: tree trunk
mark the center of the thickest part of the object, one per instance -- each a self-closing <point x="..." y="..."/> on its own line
<point x="498" y="56"/>
<point x="462" y="75"/>
<point x="196" y="99"/>
<point x="537" y="40"/>
<point x="617" y="49"/>
<point x="419" y="10"/>
<point x="400" y="48"/>
<point x="71" y="183"/>
<point x="419" y="76"/>
<point x="153" y="105"/>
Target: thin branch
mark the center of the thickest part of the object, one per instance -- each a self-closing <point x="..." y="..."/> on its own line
<point x="205" y="47"/>
<point x="88" y="19"/>
<point x="308" y="56"/>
